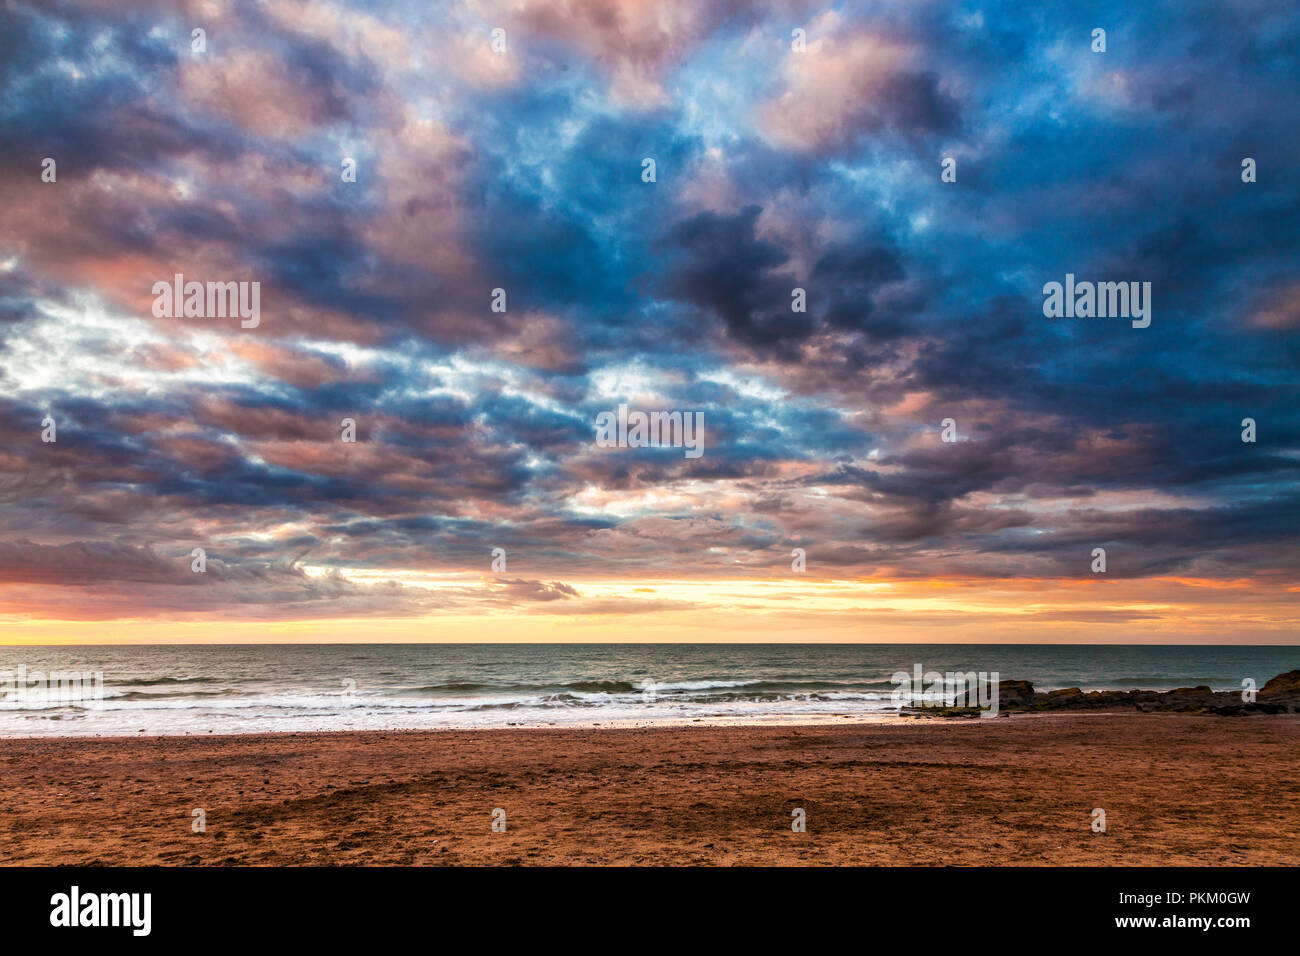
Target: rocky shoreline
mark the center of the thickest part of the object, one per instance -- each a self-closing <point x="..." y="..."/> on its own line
<point x="1280" y="695"/>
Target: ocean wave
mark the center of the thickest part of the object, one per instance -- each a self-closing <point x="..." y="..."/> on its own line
<point x="591" y="686"/>
<point x="146" y="695"/>
<point x="649" y="685"/>
<point x="156" y="681"/>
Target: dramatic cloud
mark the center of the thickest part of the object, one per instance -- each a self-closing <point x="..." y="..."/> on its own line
<point x="469" y="245"/>
<point x="846" y="85"/>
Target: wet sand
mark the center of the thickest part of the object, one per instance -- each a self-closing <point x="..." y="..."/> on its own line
<point x="1014" y="790"/>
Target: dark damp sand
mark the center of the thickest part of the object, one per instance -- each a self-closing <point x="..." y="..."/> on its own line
<point x="1016" y="790"/>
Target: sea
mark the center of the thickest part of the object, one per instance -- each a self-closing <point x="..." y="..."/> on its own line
<point x="225" y="689"/>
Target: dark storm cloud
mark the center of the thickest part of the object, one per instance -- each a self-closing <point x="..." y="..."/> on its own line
<point x="720" y="265"/>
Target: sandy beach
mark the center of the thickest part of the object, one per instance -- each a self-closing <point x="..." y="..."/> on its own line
<point x="1018" y="790"/>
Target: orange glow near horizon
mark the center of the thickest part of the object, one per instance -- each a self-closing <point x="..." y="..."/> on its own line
<point x="1125" y="611"/>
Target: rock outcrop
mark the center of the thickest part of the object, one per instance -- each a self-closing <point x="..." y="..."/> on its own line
<point x="1280" y="695"/>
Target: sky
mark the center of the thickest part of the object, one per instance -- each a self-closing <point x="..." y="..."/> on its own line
<point x="382" y="169"/>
